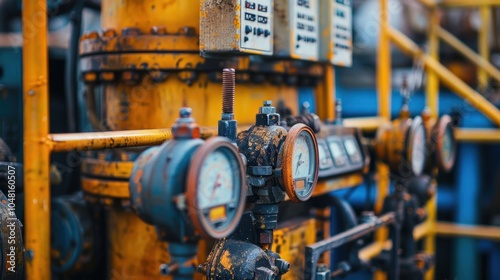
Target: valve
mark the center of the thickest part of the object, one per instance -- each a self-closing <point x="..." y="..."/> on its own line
<point x="188" y="188"/>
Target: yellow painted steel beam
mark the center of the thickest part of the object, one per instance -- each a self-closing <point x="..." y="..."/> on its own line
<point x="473" y="231"/>
<point x="484" y="45"/>
<point x="478" y="135"/>
<point x="368" y="124"/>
<point x="374" y="249"/>
<point x="36" y="128"/>
<point x="114" y="139"/>
<point x="446" y="76"/>
<point x="479" y="61"/>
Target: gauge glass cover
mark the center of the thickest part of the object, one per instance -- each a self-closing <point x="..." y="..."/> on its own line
<point x="216" y="195"/>
<point x="417" y="145"/>
<point x="300" y="163"/>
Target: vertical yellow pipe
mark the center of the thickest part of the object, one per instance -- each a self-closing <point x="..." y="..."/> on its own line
<point x="330" y="92"/>
<point x="384" y="65"/>
<point x="432" y="85"/>
<point x="36" y="128"/>
<point x="384" y="109"/>
<point x="483" y="44"/>
<point x="432" y="94"/>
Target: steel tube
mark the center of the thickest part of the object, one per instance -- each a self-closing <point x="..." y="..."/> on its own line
<point x="473" y="57"/>
<point x="314" y="251"/>
<point x="114" y="139"/>
<point x="36" y="128"/>
<point x="446" y="76"/>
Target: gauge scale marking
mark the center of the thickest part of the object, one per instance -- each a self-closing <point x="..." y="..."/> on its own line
<point x="215" y="194"/>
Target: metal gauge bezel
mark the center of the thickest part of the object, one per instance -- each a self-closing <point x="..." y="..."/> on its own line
<point x="287" y="162"/>
<point x="200" y="222"/>
<point x="444" y="125"/>
<point x="417" y="124"/>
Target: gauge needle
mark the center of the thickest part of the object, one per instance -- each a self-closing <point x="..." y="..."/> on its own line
<point x="217" y="184"/>
<point x="298" y="163"/>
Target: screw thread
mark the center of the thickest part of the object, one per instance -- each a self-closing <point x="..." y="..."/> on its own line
<point x="228" y="85"/>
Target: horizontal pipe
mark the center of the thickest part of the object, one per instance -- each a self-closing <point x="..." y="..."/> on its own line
<point x="478" y="135"/>
<point x="367" y="124"/>
<point x="314" y="251"/>
<point x="475" y="58"/>
<point x="473" y="231"/>
<point x="446" y="76"/>
<point x="64" y="142"/>
<point x="459" y="3"/>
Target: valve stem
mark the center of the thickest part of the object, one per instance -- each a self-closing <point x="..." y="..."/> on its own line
<point x="228" y="125"/>
<point x="228" y="85"/>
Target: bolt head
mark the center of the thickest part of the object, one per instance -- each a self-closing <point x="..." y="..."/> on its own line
<point x="268" y="103"/>
<point x="185" y="112"/>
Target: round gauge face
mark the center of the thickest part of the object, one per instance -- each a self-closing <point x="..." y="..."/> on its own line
<point x="300" y="163"/>
<point x="444" y="137"/>
<point x="215" y="191"/>
<point x="417" y="146"/>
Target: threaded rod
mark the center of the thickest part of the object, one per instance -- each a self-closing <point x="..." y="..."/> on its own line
<point x="228" y="85"/>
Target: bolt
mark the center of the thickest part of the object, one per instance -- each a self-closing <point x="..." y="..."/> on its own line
<point x="268" y="103"/>
<point x="158" y="30"/>
<point x="31" y="92"/>
<point x="29" y="254"/>
<point x="228" y="85"/>
<point x="185" y="112"/>
<point x="283" y="266"/>
<point x="108" y="33"/>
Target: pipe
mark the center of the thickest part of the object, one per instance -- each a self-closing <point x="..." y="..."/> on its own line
<point x="472" y="56"/>
<point x="314" y="251"/>
<point x="71" y="87"/>
<point x="36" y="129"/>
<point x="64" y="142"/>
<point x="446" y="76"/>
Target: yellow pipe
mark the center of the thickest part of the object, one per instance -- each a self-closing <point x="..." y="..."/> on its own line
<point x="36" y="128"/>
<point x="484" y="45"/>
<point x="468" y="3"/>
<point x="432" y="86"/>
<point x="384" y="65"/>
<point x="478" y="135"/>
<point x="432" y="97"/>
<point x="329" y="92"/>
<point x="367" y="124"/>
<point x="481" y="232"/>
<point x="384" y="110"/>
<point x="448" y="78"/>
<point x="479" y="61"/>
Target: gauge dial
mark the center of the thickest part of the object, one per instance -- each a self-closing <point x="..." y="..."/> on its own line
<point x="444" y="137"/>
<point x="416" y="146"/>
<point x="325" y="160"/>
<point x="300" y="163"/>
<point x="215" y="190"/>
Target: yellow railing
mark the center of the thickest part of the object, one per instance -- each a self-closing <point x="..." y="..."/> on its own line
<point x="436" y="72"/>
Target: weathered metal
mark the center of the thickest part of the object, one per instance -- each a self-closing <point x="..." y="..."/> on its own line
<point x="36" y="128"/>
<point x="314" y="251"/>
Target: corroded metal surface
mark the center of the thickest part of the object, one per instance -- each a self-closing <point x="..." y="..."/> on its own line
<point x="261" y="144"/>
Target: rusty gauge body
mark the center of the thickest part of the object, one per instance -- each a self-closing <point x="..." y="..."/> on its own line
<point x="216" y="188"/>
<point x="443" y="136"/>
<point x="299" y="163"/>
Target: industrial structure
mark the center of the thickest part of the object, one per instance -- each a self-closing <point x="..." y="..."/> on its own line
<point x="249" y="139"/>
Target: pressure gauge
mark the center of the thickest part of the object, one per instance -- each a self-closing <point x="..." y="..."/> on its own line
<point x="416" y="146"/>
<point x="444" y="138"/>
<point x="299" y="163"/>
<point x="216" y="188"/>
